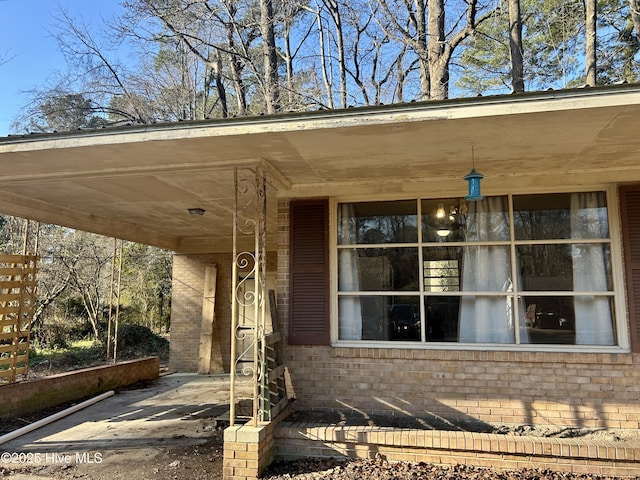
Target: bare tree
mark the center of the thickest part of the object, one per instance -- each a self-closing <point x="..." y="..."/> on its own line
<point x="271" y="78"/>
<point x="590" y="34"/>
<point x="334" y="11"/>
<point x="102" y="74"/>
<point x="74" y="269"/>
<point x="235" y="61"/>
<point x="516" y="48"/>
<point x="634" y="7"/>
<point x="295" y="34"/>
<point x="414" y="33"/>
<point x="354" y="48"/>
<point x="192" y="28"/>
<point x="5" y="58"/>
<point x="433" y="33"/>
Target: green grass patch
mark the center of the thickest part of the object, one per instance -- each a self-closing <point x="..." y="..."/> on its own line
<point x="134" y="341"/>
<point x="79" y="354"/>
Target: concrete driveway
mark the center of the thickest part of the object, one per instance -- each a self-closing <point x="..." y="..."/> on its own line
<point x="177" y="410"/>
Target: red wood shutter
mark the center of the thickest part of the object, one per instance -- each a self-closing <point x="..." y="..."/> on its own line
<point x="630" y="213"/>
<point x="309" y="272"/>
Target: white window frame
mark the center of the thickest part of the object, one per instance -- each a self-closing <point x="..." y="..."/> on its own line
<point x="617" y="265"/>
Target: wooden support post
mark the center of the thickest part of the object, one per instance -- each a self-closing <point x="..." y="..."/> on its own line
<point x="210" y="354"/>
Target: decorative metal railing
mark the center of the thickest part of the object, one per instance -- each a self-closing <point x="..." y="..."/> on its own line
<point x="254" y="342"/>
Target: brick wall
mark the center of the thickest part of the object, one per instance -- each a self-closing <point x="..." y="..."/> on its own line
<point x="581" y="390"/>
<point x="33" y="395"/>
<point x="572" y="389"/>
<point x="248" y="450"/>
<point x="186" y="307"/>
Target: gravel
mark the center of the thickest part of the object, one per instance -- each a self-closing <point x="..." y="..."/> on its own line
<point x="379" y="469"/>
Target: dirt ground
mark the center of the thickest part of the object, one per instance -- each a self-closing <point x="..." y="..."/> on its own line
<point x="197" y="462"/>
<point x="174" y="430"/>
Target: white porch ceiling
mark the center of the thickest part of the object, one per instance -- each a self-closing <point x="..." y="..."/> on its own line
<point x="137" y="182"/>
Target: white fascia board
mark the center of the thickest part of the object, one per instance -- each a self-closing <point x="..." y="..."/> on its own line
<point x="479" y="107"/>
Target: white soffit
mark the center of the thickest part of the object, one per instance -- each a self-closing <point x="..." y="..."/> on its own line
<point x="137" y="182"/>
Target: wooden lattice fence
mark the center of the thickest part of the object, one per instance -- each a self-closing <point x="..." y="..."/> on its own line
<point x="17" y="303"/>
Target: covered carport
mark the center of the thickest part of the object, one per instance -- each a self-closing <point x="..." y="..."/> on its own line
<point x="185" y="186"/>
<point x="139" y="182"/>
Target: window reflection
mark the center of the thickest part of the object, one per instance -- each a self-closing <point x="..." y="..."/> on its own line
<point x="560" y="216"/>
<point x="565" y="267"/>
<point x="378" y="269"/>
<point x="568" y="320"/>
<point x="377" y="222"/>
<point x="442" y="315"/>
<point x="387" y="317"/>
<point x="455" y="220"/>
<point x="444" y="220"/>
<point x="442" y="269"/>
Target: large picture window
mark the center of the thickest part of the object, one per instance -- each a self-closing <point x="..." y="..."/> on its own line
<point x="520" y="269"/>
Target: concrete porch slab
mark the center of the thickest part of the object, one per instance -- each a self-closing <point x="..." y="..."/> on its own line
<point x="170" y="410"/>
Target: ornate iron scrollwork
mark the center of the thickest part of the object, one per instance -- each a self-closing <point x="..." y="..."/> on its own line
<point x="249" y="299"/>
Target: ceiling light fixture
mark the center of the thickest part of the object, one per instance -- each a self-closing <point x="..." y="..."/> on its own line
<point x="443" y="232"/>
<point x="196" y="211"/>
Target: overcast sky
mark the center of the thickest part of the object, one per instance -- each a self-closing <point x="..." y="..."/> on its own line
<point x="32" y="52"/>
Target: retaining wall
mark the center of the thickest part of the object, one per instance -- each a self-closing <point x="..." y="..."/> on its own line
<point x="33" y="395"/>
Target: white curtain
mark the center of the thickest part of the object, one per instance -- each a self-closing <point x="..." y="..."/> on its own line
<point x="350" y="312"/>
<point x="486" y="319"/>
<point x="594" y="325"/>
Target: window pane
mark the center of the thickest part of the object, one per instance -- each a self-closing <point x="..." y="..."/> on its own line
<point x="486" y="319"/>
<point x="379" y="318"/>
<point x="442" y="315"/>
<point x="378" y="269"/>
<point x="444" y="220"/>
<point x="580" y="320"/>
<point x="442" y="269"/>
<point x="561" y="216"/>
<point x="486" y="268"/>
<point x="455" y="220"/>
<point x="377" y="222"/>
<point x="487" y="220"/>
<point x="580" y="267"/>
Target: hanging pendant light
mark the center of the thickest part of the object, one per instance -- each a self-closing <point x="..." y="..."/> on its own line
<point x="443" y="229"/>
<point x="474" y="177"/>
<point x="443" y="232"/>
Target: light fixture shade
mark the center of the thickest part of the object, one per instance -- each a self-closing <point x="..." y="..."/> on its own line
<point x="473" y="177"/>
<point x="443" y="232"/>
<point x="440" y="211"/>
<point x="196" y="211"/>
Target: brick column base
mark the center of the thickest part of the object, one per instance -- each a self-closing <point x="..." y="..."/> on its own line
<point x="248" y="450"/>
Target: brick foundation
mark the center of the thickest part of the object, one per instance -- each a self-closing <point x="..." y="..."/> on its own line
<point x="564" y="389"/>
<point x="507" y="452"/>
<point x="33" y="395"/>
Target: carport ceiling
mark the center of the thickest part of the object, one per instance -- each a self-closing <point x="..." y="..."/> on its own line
<point x="137" y="182"/>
